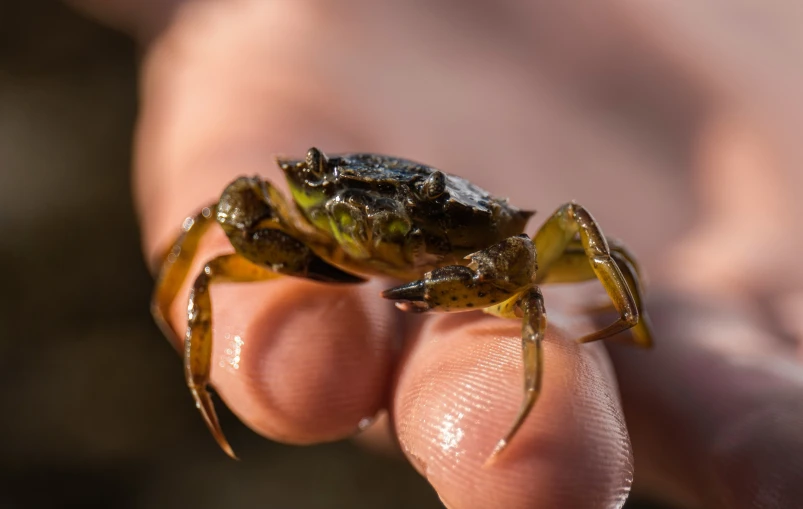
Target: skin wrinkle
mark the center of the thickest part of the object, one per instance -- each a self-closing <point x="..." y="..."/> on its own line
<point x="736" y="454"/>
<point x="613" y="443"/>
<point x="605" y="419"/>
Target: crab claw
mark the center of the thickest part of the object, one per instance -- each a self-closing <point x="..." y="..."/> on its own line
<point x="411" y="296"/>
<point x="411" y="291"/>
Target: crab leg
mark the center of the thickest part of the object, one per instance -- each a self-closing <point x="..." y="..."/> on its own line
<point x="175" y="268"/>
<point x="500" y="280"/>
<point x="533" y="326"/>
<point x="570" y="247"/>
<point x="236" y="268"/>
<point x="573" y="266"/>
<point x="257" y="223"/>
<point x="493" y="276"/>
<point x="558" y="234"/>
<point x="198" y="340"/>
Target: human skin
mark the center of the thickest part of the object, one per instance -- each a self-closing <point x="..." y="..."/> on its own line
<point x="499" y="93"/>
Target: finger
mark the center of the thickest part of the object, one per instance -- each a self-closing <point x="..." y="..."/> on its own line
<point x="297" y="361"/>
<point x="715" y="411"/>
<point x="458" y="391"/>
<point x="142" y="20"/>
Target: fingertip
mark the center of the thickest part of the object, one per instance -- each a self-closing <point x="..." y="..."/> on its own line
<point x="460" y="389"/>
<point x="302" y="362"/>
<point x="297" y="361"/>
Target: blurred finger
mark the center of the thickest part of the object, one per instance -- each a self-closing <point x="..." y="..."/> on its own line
<point x="715" y="413"/>
<point x="297" y="361"/>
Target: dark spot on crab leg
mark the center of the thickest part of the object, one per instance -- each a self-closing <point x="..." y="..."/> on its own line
<point x="493" y="275"/>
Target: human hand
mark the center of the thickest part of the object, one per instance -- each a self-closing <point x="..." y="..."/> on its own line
<point x="472" y="90"/>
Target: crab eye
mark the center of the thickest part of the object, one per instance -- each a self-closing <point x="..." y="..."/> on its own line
<point x="434" y="186"/>
<point x="316" y="161"/>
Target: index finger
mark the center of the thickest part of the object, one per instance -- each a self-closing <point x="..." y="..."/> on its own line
<point x="297" y="361"/>
<point x="458" y="390"/>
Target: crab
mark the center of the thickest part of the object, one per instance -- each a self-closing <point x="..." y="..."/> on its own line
<point x="353" y="216"/>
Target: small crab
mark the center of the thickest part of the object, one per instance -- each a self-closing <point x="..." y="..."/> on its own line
<point x="360" y="215"/>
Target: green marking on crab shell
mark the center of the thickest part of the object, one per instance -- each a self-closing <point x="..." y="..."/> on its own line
<point x="306" y="198"/>
<point x="344" y="220"/>
<point x="350" y="244"/>
<point x="398" y="228"/>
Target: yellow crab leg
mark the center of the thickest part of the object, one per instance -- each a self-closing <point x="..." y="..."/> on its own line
<point x="176" y="267"/>
<point x="558" y="233"/>
<point x="198" y="340"/>
<point x="533" y="326"/>
<point x="573" y="266"/>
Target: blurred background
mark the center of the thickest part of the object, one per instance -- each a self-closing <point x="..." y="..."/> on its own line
<point x="93" y="411"/>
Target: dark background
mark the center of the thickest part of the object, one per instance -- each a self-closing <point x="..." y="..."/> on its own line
<point x="93" y="408"/>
